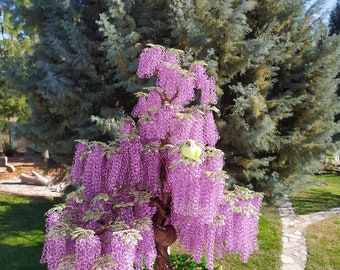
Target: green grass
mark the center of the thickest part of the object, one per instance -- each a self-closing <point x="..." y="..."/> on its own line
<point x="323" y="244"/>
<point x="323" y="196"/>
<point x="322" y="237"/>
<point x="22" y="226"/>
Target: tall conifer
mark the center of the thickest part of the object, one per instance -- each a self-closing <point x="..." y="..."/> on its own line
<point x="282" y="118"/>
<point x="15" y="45"/>
<point x="68" y="85"/>
<point x="334" y="19"/>
<point x="273" y="62"/>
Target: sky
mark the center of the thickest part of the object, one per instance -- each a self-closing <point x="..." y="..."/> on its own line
<point x="329" y="6"/>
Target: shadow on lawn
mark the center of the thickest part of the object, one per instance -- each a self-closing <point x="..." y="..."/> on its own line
<point x="22" y="228"/>
<point x="315" y="201"/>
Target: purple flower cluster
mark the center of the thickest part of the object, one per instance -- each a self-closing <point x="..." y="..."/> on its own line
<point x="205" y="83"/>
<point x="163" y="109"/>
<point x="196" y="192"/>
<point x="108" y="222"/>
<point x="241" y="214"/>
<point x="54" y="247"/>
<point x="233" y="230"/>
<point x="122" y="251"/>
<point x="87" y="250"/>
<point x="88" y="232"/>
<point x="149" y="61"/>
<point x="78" y="164"/>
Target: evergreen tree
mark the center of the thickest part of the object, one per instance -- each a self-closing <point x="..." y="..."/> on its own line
<point x="263" y="54"/>
<point x="15" y="45"/>
<point x="334" y="24"/>
<point x="334" y="19"/>
<point x="281" y="119"/>
<point x="260" y="53"/>
<point x="68" y="87"/>
<point x="85" y="67"/>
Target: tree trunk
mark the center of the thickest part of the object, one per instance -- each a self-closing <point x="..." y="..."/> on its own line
<point x="165" y="235"/>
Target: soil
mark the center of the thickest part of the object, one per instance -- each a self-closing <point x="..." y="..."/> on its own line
<point x="10" y="182"/>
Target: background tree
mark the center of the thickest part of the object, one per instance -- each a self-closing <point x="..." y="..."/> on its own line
<point x="68" y="84"/>
<point x="334" y="24"/>
<point x="278" y="108"/>
<point x="15" y="45"/>
<point x="86" y="72"/>
<point x="267" y="57"/>
<point x="334" y="19"/>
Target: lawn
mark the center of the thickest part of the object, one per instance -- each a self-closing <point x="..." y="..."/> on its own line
<point x="22" y="229"/>
<point x="323" y="237"/>
<point x="323" y="196"/>
<point x="323" y="242"/>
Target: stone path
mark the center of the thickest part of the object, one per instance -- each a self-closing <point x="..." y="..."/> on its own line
<point x="15" y="186"/>
<point x="294" y="250"/>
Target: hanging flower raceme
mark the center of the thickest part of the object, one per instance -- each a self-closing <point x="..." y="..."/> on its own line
<point x="240" y="212"/>
<point x="149" y="61"/>
<point x="162" y="180"/>
<point x="78" y="163"/>
<point x="205" y="83"/>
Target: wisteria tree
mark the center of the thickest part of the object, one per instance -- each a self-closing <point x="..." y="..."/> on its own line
<point x="162" y="182"/>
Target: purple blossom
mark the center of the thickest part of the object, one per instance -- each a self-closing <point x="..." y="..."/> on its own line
<point x="114" y="164"/>
<point x="87" y="250"/>
<point x="123" y="253"/>
<point x="114" y="202"/>
<point x="145" y="102"/>
<point x="78" y="163"/>
<point x="92" y="178"/>
<point x="210" y="132"/>
<point x="171" y="57"/>
<point x="151" y="161"/>
<point x="206" y="84"/>
<point x="149" y="61"/>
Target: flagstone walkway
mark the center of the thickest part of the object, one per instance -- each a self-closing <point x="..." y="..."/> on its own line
<point x="294" y="250"/>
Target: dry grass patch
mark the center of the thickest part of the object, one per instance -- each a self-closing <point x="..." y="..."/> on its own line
<point x="323" y="242"/>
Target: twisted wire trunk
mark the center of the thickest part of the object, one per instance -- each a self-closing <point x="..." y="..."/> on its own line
<point x="165" y="235"/>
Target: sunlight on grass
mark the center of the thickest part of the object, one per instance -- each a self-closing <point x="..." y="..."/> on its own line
<point x="323" y="196"/>
<point x="7" y="200"/>
<point x="27" y="239"/>
<point x="22" y="231"/>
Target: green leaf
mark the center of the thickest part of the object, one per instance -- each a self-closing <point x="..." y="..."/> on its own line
<point x="56" y="208"/>
<point x="60" y="229"/>
<point x="101" y="197"/>
<point x="67" y="262"/>
<point x="81" y="233"/>
<point x="103" y="263"/>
